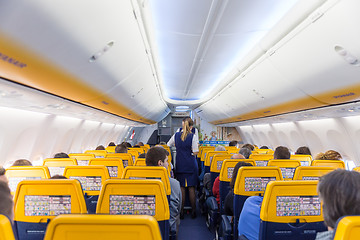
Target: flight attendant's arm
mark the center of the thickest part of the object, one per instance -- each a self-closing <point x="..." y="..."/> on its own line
<point x="194" y="146"/>
<point x="171" y="142"/>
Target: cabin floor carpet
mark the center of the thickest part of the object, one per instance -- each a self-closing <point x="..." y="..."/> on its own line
<point x="190" y="229"/>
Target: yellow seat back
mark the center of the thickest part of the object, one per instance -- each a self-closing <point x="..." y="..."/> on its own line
<point x="127" y="158"/>
<point x="356" y="169"/>
<point x="97" y="153"/>
<point x="6" y="231"/>
<point x="114" y="165"/>
<point x="311" y="172"/>
<point x="138" y="149"/>
<point x="232" y="149"/>
<point x="259" y="157"/>
<point x="110" y="149"/>
<point x="140" y="162"/>
<point x="57" y="166"/>
<point x="328" y="163"/>
<point x="252" y="181"/>
<point x="90" y="177"/>
<point x="136" y="172"/>
<point x="134" y="154"/>
<point x="305" y="159"/>
<point x="204" y="152"/>
<point x="87" y="227"/>
<point x="217" y="162"/>
<point x="286" y="166"/>
<point x="210" y="155"/>
<point x="227" y="168"/>
<point x="277" y="207"/>
<point x="20" y="173"/>
<point x="55" y="196"/>
<point x="348" y="228"/>
<point x="82" y="158"/>
<point x="117" y="195"/>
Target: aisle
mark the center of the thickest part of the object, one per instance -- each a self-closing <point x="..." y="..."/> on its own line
<point x="194" y="228"/>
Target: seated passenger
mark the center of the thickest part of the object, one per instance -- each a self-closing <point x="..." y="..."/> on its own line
<point x="6" y="201"/>
<point x="249" y="221"/>
<point x="282" y="152"/>
<point x="142" y="155"/>
<point x="229" y="200"/>
<point x="329" y="155"/>
<point x="111" y="144"/>
<point x="264" y="147"/>
<point x="249" y="146"/>
<point x="233" y="143"/>
<point x="3" y="177"/>
<point x="246" y="152"/>
<point x="22" y="162"/>
<point x="127" y="144"/>
<point x="216" y="186"/>
<point x="121" y="148"/>
<point x="100" y="147"/>
<point x="61" y="155"/>
<point x="158" y="156"/>
<point x="140" y="144"/>
<point x="207" y="177"/>
<point x="339" y="194"/>
<point x="303" y="151"/>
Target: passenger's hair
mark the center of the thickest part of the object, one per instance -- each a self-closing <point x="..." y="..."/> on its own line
<point x="155" y="154"/>
<point x="329" y="155"/>
<point x="233" y="143"/>
<point x="237" y="156"/>
<point x="235" y="172"/>
<point x="61" y="155"/>
<point x="112" y="144"/>
<point x="22" y="162"/>
<point x="142" y="155"/>
<point x="121" y="148"/>
<point x="264" y="147"/>
<point x="249" y="146"/>
<point x="246" y="152"/>
<point x="2" y="171"/>
<point x="57" y="176"/>
<point x="303" y="151"/>
<point x="6" y="201"/>
<point x="282" y="152"/>
<point x="220" y="148"/>
<point x="188" y="122"/>
<point x="339" y="192"/>
<point x="162" y="143"/>
<point x="140" y="144"/>
<point x="127" y="144"/>
<point x="100" y="147"/>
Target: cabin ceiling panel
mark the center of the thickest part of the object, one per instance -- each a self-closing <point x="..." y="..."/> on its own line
<point x="312" y="63"/>
<point x="65" y="34"/>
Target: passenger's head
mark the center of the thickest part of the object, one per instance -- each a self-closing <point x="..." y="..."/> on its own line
<point x="329" y="155"/>
<point x="57" y="176"/>
<point x="3" y="177"/>
<point x="112" y="144"/>
<point x="6" y="201"/>
<point x="61" y="155"/>
<point x="140" y="144"/>
<point x="303" y="151"/>
<point x="100" y="147"/>
<point x="235" y="172"/>
<point x="22" y="162"/>
<point x="157" y="156"/>
<point x="237" y="156"/>
<point x="282" y="152"/>
<point x="264" y="147"/>
<point x="246" y="152"/>
<point x="220" y="148"/>
<point x="249" y="146"/>
<point x="142" y="155"/>
<point x="187" y="123"/>
<point x="339" y="192"/>
<point x="121" y="148"/>
<point x="127" y="144"/>
<point x="233" y="143"/>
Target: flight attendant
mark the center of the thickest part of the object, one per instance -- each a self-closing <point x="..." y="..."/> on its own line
<point x="186" y="168"/>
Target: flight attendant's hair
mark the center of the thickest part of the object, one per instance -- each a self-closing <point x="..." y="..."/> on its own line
<point x="187" y="123"/>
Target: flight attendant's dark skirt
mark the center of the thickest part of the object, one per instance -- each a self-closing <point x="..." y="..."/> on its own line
<point x="187" y="179"/>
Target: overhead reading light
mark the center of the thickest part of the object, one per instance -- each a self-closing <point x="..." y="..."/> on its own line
<point x="348" y="57"/>
<point x="94" y="57"/>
